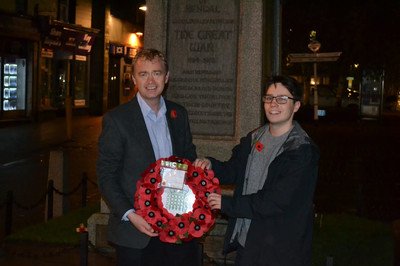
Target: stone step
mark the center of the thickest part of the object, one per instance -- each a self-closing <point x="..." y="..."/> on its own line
<point x="213" y="243"/>
<point x="212" y="248"/>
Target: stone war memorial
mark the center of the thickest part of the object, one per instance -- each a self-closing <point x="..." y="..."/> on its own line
<point x="217" y="51"/>
<point x="201" y="42"/>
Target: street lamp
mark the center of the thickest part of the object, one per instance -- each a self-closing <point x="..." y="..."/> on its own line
<point x="314" y="46"/>
<point x="315" y="57"/>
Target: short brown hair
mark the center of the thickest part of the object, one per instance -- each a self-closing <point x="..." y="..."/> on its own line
<point x="291" y="84"/>
<point x="149" y="55"/>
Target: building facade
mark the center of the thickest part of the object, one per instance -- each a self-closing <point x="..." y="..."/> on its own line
<point x="52" y="50"/>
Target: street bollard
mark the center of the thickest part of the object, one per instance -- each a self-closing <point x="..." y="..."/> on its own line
<point x="9" y="212"/>
<point x="84" y="249"/>
<point x="84" y="189"/>
<point x="329" y="260"/>
<point x="50" y="195"/>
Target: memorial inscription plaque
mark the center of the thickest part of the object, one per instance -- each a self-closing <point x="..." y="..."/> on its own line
<point x="202" y="55"/>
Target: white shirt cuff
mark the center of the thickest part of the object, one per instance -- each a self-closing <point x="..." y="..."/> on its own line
<point x="126" y="214"/>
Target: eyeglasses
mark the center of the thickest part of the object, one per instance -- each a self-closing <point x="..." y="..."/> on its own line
<point x="279" y="99"/>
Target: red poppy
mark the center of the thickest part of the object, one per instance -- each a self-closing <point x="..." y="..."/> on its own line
<point x="203" y="195"/>
<point x="259" y="146"/>
<point x="203" y="184"/>
<point x="198" y="204"/>
<point x="157" y="226"/>
<point x="182" y="224"/>
<point x="169" y="234"/>
<point x="188" y="237"/>
<point x="215" y="181"/>
<point x="168" y="215"/>
<point x="145" y="191"/>
<point x="143" y="203"/>
<point x="202" y="215"/>
<point x="82" y="229"/>
<point x="189" y="172"/>
<point x="152" y="179"/>
<point x="203" y="204"/>
<point x="151" y="215"/>
<point x="186" y="161"/>
<point x="151" y="168"/>
<point x="197" y="229"/>
<point x="209" y="174"/>
<point x="187" y="215"/>
<point x="139" y="184"/>
<point x="160" y="205"/>
<point x="158" y="198"/>
<point x="174" y="114"/>
<point x="216" y="188"/>
<point x="197" y="176"/>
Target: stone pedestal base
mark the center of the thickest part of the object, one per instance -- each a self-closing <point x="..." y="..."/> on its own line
<point x="97" y="229"/>
<point x="213" y="242"/>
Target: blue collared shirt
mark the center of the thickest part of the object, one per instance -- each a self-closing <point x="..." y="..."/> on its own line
<point x="157" y="127"/>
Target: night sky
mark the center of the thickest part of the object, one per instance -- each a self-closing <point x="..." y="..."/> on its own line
<point x="365" y="31"/>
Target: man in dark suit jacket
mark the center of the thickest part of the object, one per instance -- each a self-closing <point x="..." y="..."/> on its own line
<point x="134" y="135"/>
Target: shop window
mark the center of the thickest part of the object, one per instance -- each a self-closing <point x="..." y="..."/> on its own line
<point x="14" y="84"/>
<point x="46" y="88"/>
<point x="80" y="92"/>
<point x="61" y="82"/>
<point x="56" y="81"/>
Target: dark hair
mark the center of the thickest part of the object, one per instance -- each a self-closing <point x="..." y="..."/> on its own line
<point x="291" y="84"/>
<point x="149" y="55"/>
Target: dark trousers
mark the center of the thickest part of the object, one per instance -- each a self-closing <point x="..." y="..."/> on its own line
<point x="239" y="255"/>
<point x="160" y="253"/>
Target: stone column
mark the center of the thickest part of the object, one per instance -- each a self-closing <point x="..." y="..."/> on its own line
<point x="58" y="172"/>
<point x="244" y="92"/>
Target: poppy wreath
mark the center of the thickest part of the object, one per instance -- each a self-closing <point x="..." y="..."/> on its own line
<point x="181" y="227"/>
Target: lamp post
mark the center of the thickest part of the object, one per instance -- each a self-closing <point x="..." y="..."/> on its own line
<point x="314" y="46"/>
<point x="314" y="58"/>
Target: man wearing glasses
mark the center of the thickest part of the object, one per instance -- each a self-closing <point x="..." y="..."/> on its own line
<point x="275" y="169"/>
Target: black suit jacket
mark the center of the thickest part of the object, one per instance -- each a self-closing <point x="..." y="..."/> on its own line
<point x="124" y="152"/>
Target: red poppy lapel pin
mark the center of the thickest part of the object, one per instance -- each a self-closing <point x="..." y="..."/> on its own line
<point x="258" y="145"/>
<point x="174" y="114"/>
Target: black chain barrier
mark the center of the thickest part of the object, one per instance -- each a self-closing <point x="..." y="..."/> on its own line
<point x="68" y="193"/>
<point x="30" y="207"/>
<point x="93" y="183"/>
<point x="9" y="200"/>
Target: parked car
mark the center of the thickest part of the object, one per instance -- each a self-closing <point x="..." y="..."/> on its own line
<point x="326" y="96"/>
<point x="350" y="99"/>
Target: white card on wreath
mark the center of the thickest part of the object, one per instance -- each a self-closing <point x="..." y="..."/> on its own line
<point x="173" y="178"/>
<point x="177" y="201"/>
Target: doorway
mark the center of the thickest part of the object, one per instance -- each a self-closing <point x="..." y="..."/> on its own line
<point x="114" y="82"/>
